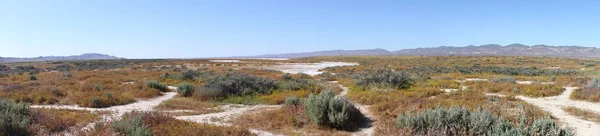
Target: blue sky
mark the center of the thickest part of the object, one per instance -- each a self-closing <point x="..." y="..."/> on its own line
<point x="197" y="28"/>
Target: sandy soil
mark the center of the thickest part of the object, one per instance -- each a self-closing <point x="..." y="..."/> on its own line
<point x="554" y="106"/>
<point x="307" y="68"/>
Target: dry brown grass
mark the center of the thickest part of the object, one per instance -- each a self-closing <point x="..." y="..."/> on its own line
<point x="287" y="121"/>
<point x="163" y="125"/>
<point x="531" y="90"/>
<point x="54" y="88"/>
<point x="586" y="95"/>
<point x="584" y="114"/>
<point x="48" y="121"/>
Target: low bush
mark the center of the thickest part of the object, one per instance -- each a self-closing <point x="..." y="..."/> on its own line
<point x="325" y="110"/>
<point x="382" y="78"/>
<point x="32" y="77"/>
<point x="157" y="85"/>
<point x="189" y="75"/>
<point x="14" y="117"/>
<point x="593" y="84"/>
<point x="132" y="125"/>
<point x="316" y="107"/>
<point x="505" y="80"/>
<point x="461" y="121"/>
<point x="292" y="101"/>
<point x="279" y="97"/>
<point x="185" y="89"/>
<point x="234" y="84"/>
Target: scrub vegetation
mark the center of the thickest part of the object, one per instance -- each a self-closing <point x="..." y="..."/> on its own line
<point x="406" y="95"/>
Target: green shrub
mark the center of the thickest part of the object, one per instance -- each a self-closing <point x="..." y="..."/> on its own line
<point x="157" y="85"/>
<point x="14" y="117"/>
<point x="505" y="80"/>
<point x="343" y="115"/>
<point x="234" y="84"/>
<point x="383" y="79"/>
<point x="295" y="84"/>
<point x="316" y="107"/>
<point x="96" y="101"/>
<point x="460" y="120"/>
<point x="132" y="125"/>
<point x="189" y="75"/>
<point x="292" y="101"/>
<point x="32" y="77"/>
<point x="286" y="76"/>
<point x="325" y="110"/>
<point x="185" y="89"/>
<point x="548" y="127"/>
<point x="593" y="84"/>
<point x="99" y="87"/>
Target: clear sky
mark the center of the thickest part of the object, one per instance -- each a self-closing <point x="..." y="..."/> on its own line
<point x="197" y="28"/>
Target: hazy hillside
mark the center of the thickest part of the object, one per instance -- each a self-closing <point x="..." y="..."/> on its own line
<point x="87" y="56"/>
<point x="509" y="50"/>
<point x="482" y="50"/>
<point x="368" y="52"/>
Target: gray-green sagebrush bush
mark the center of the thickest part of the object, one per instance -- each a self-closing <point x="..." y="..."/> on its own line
<point x="292" y="101"/>
<point x="234" y="84"/>
<point x="505" y="80"/>
<point x="14" y="117"/>
<point x="185" y="89"/>
<point x="325" y="110"/>
<point x="157" y="85"/>
<point x="132" y="125"/>
<point x="383" y="78"/>
<point x="461" y="121"/>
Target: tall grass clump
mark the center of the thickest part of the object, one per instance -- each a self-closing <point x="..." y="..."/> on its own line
<point x="461" y="121"/>
<point x="383" y="78"/>
<point x="132" y="125"/>
<point x="14" y="117"/>
<point x="234" y="84"/>
<point x="157" y="85"/>
<point x="325" y="110"/>
<point x="185" y="89"/>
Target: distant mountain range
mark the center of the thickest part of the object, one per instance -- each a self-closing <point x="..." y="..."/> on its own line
<point x="471" y="50"/>
<point x="87" y="56"/>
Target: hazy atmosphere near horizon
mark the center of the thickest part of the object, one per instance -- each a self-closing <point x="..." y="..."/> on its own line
<point x="212" y="28"/>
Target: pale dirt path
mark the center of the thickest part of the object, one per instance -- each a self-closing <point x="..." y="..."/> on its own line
<point x="116" y="111"/>
<point x="231" y="112"/>
<point x="368" y="130"/>
<point x="555" y="104"/>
